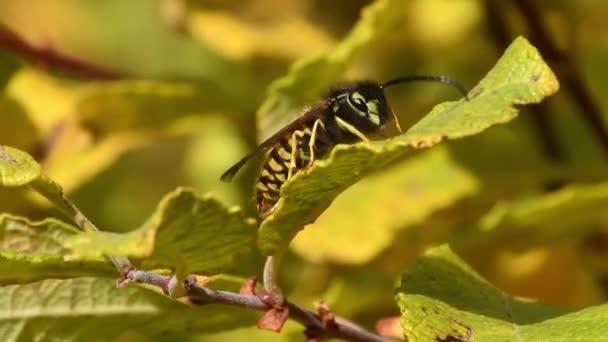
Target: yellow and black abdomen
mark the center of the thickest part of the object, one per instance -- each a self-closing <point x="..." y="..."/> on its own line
<point x="285" y="159"/>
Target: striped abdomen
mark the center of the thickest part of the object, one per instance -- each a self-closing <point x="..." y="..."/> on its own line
<point x="279" y="167"/>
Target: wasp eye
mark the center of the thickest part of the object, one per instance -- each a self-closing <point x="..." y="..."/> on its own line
<point x="359" y="103"/>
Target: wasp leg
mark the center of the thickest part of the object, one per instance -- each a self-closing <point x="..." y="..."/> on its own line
<point x="350" y="128"/>
<point x="312" y="141"/>
<point x="294" y="149"/>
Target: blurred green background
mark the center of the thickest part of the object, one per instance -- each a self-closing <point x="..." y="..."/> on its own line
<point x="176" y="103"/>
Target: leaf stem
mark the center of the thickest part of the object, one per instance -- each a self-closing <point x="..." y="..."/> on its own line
<point x="271" y="269"/>
<point x="53" y="192"/>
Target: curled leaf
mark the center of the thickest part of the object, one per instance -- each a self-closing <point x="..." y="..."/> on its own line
<point x="188" y="232"/>
<point x="520" y="77"/>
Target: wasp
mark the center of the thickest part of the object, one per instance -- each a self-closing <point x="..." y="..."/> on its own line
<point x="349" y="114"/>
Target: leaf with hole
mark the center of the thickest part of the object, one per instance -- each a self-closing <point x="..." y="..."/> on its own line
<point x="442" y="299"/>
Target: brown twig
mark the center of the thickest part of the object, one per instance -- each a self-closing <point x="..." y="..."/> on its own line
<point x="314" y="322"/>
<point x="49" y="57"/>
<point x="566" y="70"/>
<point x="342" y="329"/>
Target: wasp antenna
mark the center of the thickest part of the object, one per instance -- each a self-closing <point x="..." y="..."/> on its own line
<point x="428" y="78"/>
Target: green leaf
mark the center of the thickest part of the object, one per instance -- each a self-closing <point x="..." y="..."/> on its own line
<point x="18" y="268"/>
<point x="53" y="192"/>
<point x="18" y="234"/>
<point x="520" y="77"/>
<point x="441" y="296"/>
<point x="17" y="168"/>
<point x="564" y="214"/>
<point x="188" y="232"/>
<point x="397" y="198"/>
<point x="310" y="77"/>
<point x="107" y="107"/>
<point x="31" y="251"/>
<point x="88" y="309"/>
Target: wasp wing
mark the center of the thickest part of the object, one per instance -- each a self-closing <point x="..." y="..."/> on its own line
<point x="309" y="116"/>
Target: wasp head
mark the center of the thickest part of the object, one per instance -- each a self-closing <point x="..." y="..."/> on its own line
<point x="362" y="105"/>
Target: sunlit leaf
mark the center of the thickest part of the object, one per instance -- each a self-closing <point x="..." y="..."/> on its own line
<point x="75" y="167"/>
<point x="236" y="37"/>
<point x="399" y="197"/>
<point x="47" y="100"/>
<point x="17" y="168"/>
<point x="442" y="299"/>
<point x="107" y="107"/>
<point x="75" y="309"/>
<point x="520" y="77"/>
<point x="189" y="233"/>
<point x="439" y="23"/>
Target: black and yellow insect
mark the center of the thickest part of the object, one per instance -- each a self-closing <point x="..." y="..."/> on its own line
<point x="347" y="115"/>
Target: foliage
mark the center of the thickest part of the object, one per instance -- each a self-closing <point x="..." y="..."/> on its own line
<point x="441" y="296"/>
<point x="466" y="209"/>
<point x="73" y="309"/>
<point x="182" y="234"/>
<point x="520" y="77"/>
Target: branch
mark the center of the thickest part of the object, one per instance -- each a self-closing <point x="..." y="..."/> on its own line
<point x="319" y="325"/>
<point x="12" y="41"/>
<point x="315" y="324"/>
